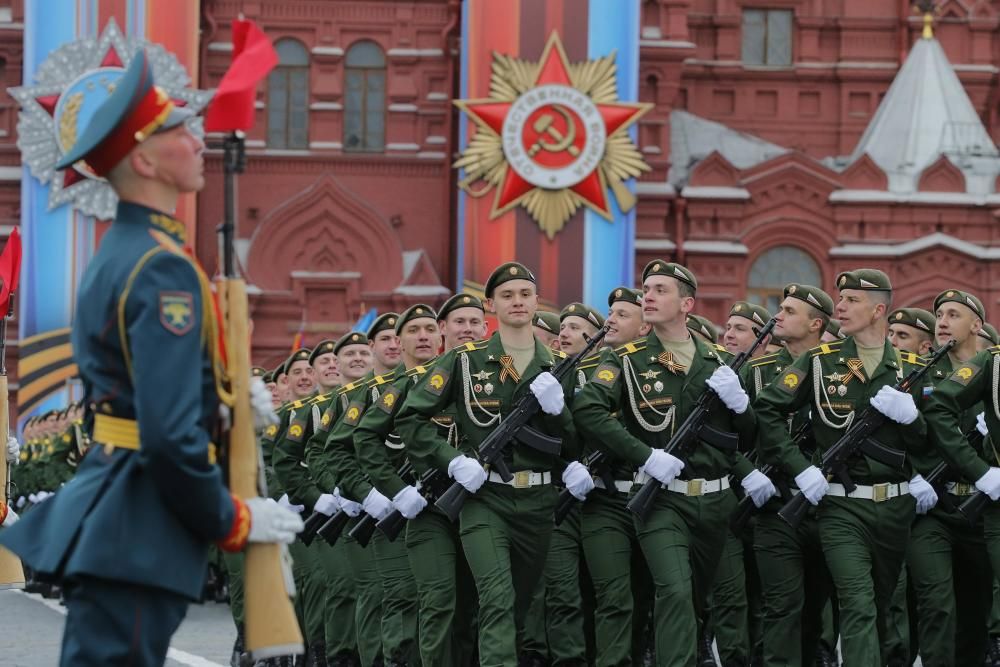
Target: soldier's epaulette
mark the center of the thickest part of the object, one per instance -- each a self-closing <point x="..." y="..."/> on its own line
<point x="631" y="347"/>
<point x="350" y="387"/>
<point x="994" y="350"/>
<point x="912" y="358"/>
<point x="384" y="378"/>
<point x="589" y="362"/>
<point x="472" y="345"/>
<point x="559" y="354"/>
<point x="826" y="348"/>
<point x="417" y="370"/>
<point x="319" y="398"/>
<point x="764" y="360"/>
<point x="719" y="348"/>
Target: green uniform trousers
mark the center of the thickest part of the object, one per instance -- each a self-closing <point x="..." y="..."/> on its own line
<point x="865" y="545"/>
<point x="683" y="538"/>
<point x="505" y="535"/>
<point x="795" y="588"/>
<point x="735" y="605"/>
<point x="446" y="593"/>
<point x="620" y="578"/>
<point x="899" y="645"/>
<point x="341" y="633"/>
<point x="399" y="601"/>
<point x="368" y="597"/>
<point x="994" y="622"/>
<point x="310" y="587"/>
<point x="234" y="569"/>
<point x="947" y="562"/>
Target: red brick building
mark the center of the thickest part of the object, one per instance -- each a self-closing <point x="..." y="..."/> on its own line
<point x="760" y="108"/>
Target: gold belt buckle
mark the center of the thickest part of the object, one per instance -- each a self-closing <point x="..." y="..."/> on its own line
<point x="522" y="479"/>
<point x="880" y="492"/>
<point x="962" y="489"/>
<point x="694" y="487"/>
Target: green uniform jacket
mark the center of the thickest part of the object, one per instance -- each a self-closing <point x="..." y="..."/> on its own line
<point x="815" y="380"/>
<point x="332" y="408"/>
<point x="973" y="382"/>
<point x="268" y="440"/>
<point x="632" y="382"/>
<point x="289" y="451"/>
<point x="468" y="378"/>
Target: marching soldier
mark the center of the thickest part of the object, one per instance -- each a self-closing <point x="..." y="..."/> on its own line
<point x="703" y="327"/>
<point x="653" y="383"/>
<point x="462" y="320"/>
<point x="546" y="328"/>
<point x="912" y="330"/>
<point x="864" y="532"/>
<point x="987" y="337"/>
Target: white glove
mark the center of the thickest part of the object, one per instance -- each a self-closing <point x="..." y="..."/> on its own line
<point x="812" y="484"/>
<point x="549" y="393"/>
<point x="260" y="402"/>
<point x="44" y="495"/>
<point x="990" y="483"/>
<point x="758" y="487"/>
<point x="351" y="508"/>
<point x="270" y="522"/>
<point x="32" y="498"/>
<point x="13" y="450"/>
<point x="377" y="505"/>
<point x="726" y="384"/>
<point x="981" y="423"/>
<point x="577" y="479"/>
<point x="286" y="502"/>
<point x="10" y="519"/>
<point x="467" y="472"/>
<point x="326" y="504"/>
<point x="409" y="502"/>
<point x="896" y="405"/>
<point x="662" y="466"/>
<point x="924" y="493"/>
<point x="21" y="502"/>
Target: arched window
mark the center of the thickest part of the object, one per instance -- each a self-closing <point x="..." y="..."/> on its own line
<point x="776" y="268"/>
<point x="364" y="98"/>
<point x="288" y="97"/>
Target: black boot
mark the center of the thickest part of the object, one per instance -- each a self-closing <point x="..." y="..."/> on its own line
<point x="825" y="656"/>
<point x="706" y="658"/>
<point x="317" y="654"/>
<point x="236" y="657"/>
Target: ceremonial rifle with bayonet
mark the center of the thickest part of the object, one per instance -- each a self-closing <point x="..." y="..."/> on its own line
<point x="696" y="429"/>
<point x="515" y="427"/>
<point x="858" y="439"/>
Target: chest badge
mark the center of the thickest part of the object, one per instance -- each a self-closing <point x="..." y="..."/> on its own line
<point x="482" y="375"/>
<point x="488" y="388"/>
<point x="658" y="386"/>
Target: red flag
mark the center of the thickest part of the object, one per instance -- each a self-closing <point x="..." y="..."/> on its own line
<point x="254" y="56"/>
<point x="10" y="269"/>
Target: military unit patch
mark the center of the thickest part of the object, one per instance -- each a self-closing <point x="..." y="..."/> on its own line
<point x="353" y="414"/>
<point x="388" y="400"/>
<point x="606" y="374"/>
<point x="296" y="431"/>
<point x="790" y="380"/>
<point x="964" y="374"/>
<point x="437" y="381"/>
<point x="177" y="312"/>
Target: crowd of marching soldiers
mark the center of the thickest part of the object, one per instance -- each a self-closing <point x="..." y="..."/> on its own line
<point x="883" y="559"/>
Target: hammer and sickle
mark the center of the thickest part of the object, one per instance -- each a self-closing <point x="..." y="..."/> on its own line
<point x="562" y="142"/>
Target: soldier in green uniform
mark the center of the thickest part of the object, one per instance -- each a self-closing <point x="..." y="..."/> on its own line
<point x="505" y="526"/>
<point x="987" y="337"/>
<point x="864" y="532"/>
<point x="546" y="328"/>
<point x="703" y="327"/>
<point x="795" y="584"/>
<point x="912" y="330"/>
<point x="462" y="319"/>
<point x="654" y="382"/>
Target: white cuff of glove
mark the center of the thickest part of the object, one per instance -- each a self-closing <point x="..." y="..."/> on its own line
<point x="549" y="393"/>
<point x="10" y="519"/>
<point x="990" y="483"/>
<point x="981" y="424"/>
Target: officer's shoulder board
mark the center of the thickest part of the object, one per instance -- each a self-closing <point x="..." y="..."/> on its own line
<point x="994" y="350"/>
<point x="764" y="360"/>
<point x="589" y="362"/>
<point x="631" y="347"/>
<point x="719" y="348"/>
<point x="319" y="398"/>
<point x="559" y="354"/>
<point x="385" y="378"/>
<point x="825" y="348"/>
<point x="473" y="345"/>
<point x="912" y="358"/>
<point x="417" y="371"/>
<point x="351" y="386"/>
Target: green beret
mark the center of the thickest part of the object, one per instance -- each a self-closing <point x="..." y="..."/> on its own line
<point x="415" y="312"/>
<point x="833" y="328"/>
<point x="268" y="377"/>
<point x="350" y="338"/>
<point x="322" y="347"/>
<point x="546" y="320"/>
<point x="577" y="309"/>
<point x="964" y="298"/>
<point x="702" y="327"/>
<point x="918" y="318"/>
<point x="280" y="370"/>
<point x="658" y="267"/>
<point x="459" y="301"/>
<point x="381" y="323"/>
<point x="626" y="294"/>
<point x="301" y="354"/>
<point x="751" y="311"/>
<point x="505" y="272"/>
<point x="814" y="296"/>
<point x="989" y="332"/>
<point x="258" y="372"/>
<point x="866" y="279"/>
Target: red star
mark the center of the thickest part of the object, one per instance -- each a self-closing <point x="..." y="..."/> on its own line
<point x="554" y="69"/>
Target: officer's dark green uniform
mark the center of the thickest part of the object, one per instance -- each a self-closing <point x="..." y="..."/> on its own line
<point x="505" y="528"/>
<point x="684" y="535"/>
<point x="864" y="537"/>
<point x="947" y="556"/>
<point x="794" y="581"/>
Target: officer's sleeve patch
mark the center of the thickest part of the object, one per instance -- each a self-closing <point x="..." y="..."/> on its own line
<point x="605" y="374"/>
<point x="324" y="421"/>
<point x="177" y="312"/>
<point x="964" y="374"/>
<point x="437" y="381"/>
<point x="296" y="431"/>
<point x="353" y="414"/>
<point x="388" y="401"/>
<point x="271" y="431"/>
<point x="791" y="379"/>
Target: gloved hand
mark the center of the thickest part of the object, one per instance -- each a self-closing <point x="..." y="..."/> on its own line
<point x="726" y="384"/>
<point x="21" y="502"/>
<point x="286" y="502"/>
<point x="42" y="496"/>
<point x="549" y="393"/>
<point x="467" y="472"/>
<point x="409" y="502"/>
<point x="981" y="423"/>
<point x="377" y="505"/>
<point x="10" y="519"/>
<point x="662" y="466"/>
<point x="812" y="484"/>
<point x="577" y="479"/>
<point x="33" y="498"/>
<point x="896" y="405"/>
<point x="260" y="402"/>
<point x="326" y="504"/>
<point x="270" y="522"/>
<point x="924" y="494"/>
<point x="758" y="487"/>
<point x="990" y="483"/>
<point x="351" y="508"/>
<point x="13" y="450"/>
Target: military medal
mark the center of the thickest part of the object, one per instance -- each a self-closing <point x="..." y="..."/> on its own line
<point x="646" y="388"/>
<point x="478" y="388"/>
<point x="842" y="390"/>
<point x="488" y="388"/>
<point x="831" y="390"/>
<point x="658" y="386"/>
